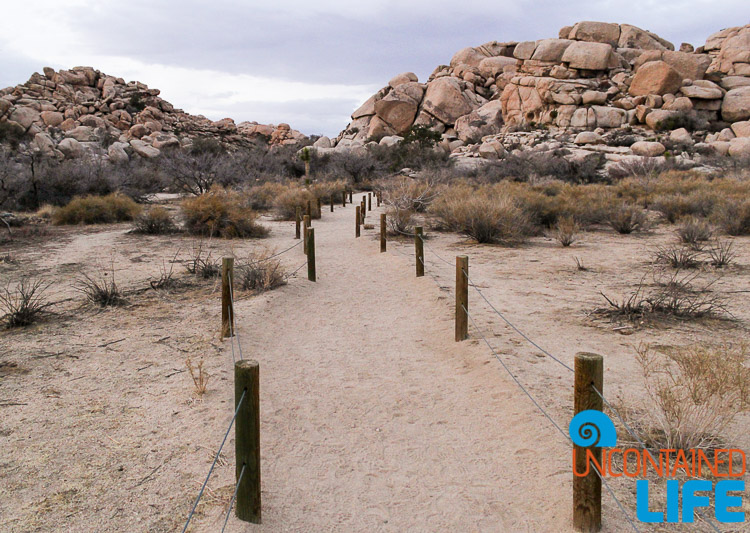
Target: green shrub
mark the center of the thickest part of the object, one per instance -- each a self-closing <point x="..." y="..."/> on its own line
<point x="221" y="213"/>
<point x="97" y="210"/>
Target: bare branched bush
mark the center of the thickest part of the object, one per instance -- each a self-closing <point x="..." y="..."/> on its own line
<point x="677" y="256"/>
<point x="626" y="219"/>
<point x="697" y="391"/>
<point x="399" y="221"/>
<point x="566" y="231"/>
<point x="154" y="221"/>
<point x="202" y="265"/>
<point x="221" y="213"/>
<point x="409" y="194"/>
<point x="580" y="266"/>
<point x="101" y="289"/>
<point x="198" y="375"/>
<point x="166" y="279"/>
<point x="693" y="231"/>
<point x="721" y="253"/>
<point x="25" y="303"/>
<point x="260" y="272"/>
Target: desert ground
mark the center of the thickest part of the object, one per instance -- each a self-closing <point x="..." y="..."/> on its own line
<point x="372" y="417"/>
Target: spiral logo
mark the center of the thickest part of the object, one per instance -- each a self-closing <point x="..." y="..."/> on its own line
<point x="592" y="428"/>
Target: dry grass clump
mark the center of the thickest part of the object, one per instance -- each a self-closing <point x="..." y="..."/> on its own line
<point x="566" y="231"/>
<point x="410" y="194"/>
<point x="626" y="219"/>
<point x="693" y="231"/>
<point x="327" y="190"/>
<point x="696" y="392"/>
<point x="677" y="256"/>
<point x="732" y="216"/>
<point x="198" y="375"/>
<point x="102" y="289"/>
<point x="221" y="213"/>
<point x="287" y="202"/>
<point x="154" y="221"/>
<point x="202" y="265"/>
<point x="485" y="214"/>
<point x="260" y="272"/>
<point x="676" y="295"/>
<point x="399" y="221"/>
<point x="24" y="304"/>
<point x="97" y="210"/>
<point x="721" y="253"/>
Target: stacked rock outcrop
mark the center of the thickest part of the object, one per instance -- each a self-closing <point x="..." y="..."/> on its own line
<point x="69" y="113"/>
<point x="593" y="76"/>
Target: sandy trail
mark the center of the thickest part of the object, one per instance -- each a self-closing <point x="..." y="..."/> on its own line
<point x="374" y="419"/>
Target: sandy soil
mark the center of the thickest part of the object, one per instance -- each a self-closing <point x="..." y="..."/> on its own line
<point x="373" y="418"/>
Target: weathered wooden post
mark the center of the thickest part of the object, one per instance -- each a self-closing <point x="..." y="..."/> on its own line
<point x="247" y="439"/>
<point x="382" y="233"/>
<point x="331" y="198"/>
<point x="227" y="309"/>
<point x="350" y="196"/>
<point x="320" y="212"/>
<point x="359" y="219"/>
<point x="587" y="490"/>
<point x="309" y="208"/>
<point x="343" y="198"/>
<point x="369" y="201"/>
<point x="419" y="248"/>
<point x="306" y="225"/>
<point x="363" y="211"/>
<point x="462" y="297"/>
<point x="297" y="222"/>
<point x="377" y="197"/>
<point x="311" y="254"/>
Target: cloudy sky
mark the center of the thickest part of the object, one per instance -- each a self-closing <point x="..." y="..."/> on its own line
<point x="306" y="63"/>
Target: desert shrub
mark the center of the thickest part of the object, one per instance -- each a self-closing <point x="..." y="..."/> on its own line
<point x="677" y="256"/>
<point x="97" y="210"/>
<point x="262" y="197"/>
<point x="260" y="272"/>
<point x="409" y="194"/>
<point x="24" y="304"/>
<point x="399" y="221"/>
<point x="533" y="165"/>
<point x="484" y="215"/>
<point x="422" y="135"/>
<point x="626" y="219"/>
<point x="721" y="253"/>
<point x="286" y="203"/>
<point x="101" y="289"/>
<point x="221" y="213"/>
<point x="154" y="221"/>
<point x="199" y="376"/>
<point x="566" y="231"/>
<point x="202" y="265"/>
<point x="732" y="216"/>
<point x="696" y="392"/>
<point x="327" y="190"/>
<point x="693" y="231"/>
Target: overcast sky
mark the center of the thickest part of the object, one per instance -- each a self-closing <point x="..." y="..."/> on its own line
<point x="309" y="64"/>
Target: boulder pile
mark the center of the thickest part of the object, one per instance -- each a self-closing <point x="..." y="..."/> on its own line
<point x="595" y="77"/>
<point x="69" y="113"/>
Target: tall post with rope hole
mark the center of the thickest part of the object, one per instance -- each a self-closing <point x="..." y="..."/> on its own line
<point x="227" y="310"/>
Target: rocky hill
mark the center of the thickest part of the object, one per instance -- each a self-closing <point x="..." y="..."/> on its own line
<point x="580" y="91"/>
<point x="69" y="113"/>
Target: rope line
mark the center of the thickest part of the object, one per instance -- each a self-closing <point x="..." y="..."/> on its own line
<point x="210" y="471"/>
<point x="276" y="255"/>
<point x="234" y="497"/>
<point x="232" y="326"/>
<point x="522" y="334"/>
<point x="538" y="406"/>
<point x="297" y="270"/>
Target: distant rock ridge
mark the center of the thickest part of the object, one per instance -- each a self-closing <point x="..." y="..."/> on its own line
<point x="68" y="113"/>
<point x="593" y="77"/>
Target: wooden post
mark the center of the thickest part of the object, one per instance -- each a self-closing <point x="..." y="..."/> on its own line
<point x="419" y="248"/>
<point x="462" y="298"/>
<point x="369" y="201"/>
<point x="350" y="196"/>
<point x="319" y="207"/>
<point x="297" y="221"/>
<point x="227" y="283"/>
<point x="331" y="198"/>
<point x="343" y="198"/>
<point x="247" y="439"/>
<point x="587" y="491"/>
<point x="377" y="197"/>
<point x="363" y="210"/>
<point x="304" y="230"/>
<point x="359" y="219"/>
<point x="311" y="254"/>
<point x="382" y="233"/>
<point x="309" y="209"/>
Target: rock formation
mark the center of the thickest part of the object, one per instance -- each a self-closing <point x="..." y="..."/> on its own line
<point x="595" y="77"/>
<point x="69" y="113"/>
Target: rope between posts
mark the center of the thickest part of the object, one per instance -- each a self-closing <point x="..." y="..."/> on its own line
<point x="277" y="254"/>
<point x="234" y="497"/>
<point x="232" y="325"/>
<point x="538" y="406"/>
<point x="210" y="470"/>
<point x="521" y="333"/>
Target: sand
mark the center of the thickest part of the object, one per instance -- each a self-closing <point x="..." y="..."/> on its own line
<point x="372" y="417"/>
